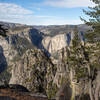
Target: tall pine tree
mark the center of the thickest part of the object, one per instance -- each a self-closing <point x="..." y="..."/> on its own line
<point x="94" y="21"/>
<point x="94" y="50"/>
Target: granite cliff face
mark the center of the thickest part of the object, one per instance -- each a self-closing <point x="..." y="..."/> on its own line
<point x="24" y="55"/>
<point x="57" y="42"/>
<point x="25" y="62"/>
<point x="36" y="71"/>
<point x="53" y="44"/>
<point x="19" y="41"/>
<point x="22" y="38"/>
<point x="15" y="45"/>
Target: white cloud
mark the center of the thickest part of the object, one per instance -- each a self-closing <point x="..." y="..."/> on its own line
<point x="13" y="9"/>
<point x="14" y="13"/>
<point x="69" y="3"/>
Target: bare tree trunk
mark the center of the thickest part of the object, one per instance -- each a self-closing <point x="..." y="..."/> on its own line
<point x="72" y="85"/>
<point x="90" y="84"/>
<point x="91" y="90"/>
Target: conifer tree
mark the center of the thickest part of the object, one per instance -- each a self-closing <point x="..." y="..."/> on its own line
<point x="93" y="50"/>
<point x="94" y="21"/>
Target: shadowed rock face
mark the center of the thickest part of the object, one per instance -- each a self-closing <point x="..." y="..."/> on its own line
<point x="3" y="63"/>
<point x="18" y="87"/>
<point x="36" y="37"/>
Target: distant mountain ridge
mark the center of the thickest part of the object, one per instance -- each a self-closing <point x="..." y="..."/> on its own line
<point x="50" y="30"/>
<point x="11" y="25"/>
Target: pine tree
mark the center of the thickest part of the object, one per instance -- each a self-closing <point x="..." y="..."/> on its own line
<point x="83" y="63"/>
<point x="94" y="21"/>
<point x="77" y="64"/>
<point x="94" y="48"/>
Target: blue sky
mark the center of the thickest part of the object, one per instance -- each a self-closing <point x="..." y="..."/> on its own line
<point x="43" y="12"/>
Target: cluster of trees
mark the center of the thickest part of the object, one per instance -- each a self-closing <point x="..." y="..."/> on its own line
<point x="94" y="37"/>
<point x="85" y="59"/>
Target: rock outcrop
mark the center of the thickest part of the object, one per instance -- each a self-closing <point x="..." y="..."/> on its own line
<point x="34" y="70"/>
<point x="19" y="41"/>
<point x="14" y="46"/>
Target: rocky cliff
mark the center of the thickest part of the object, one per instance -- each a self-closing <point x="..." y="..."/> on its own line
<point x="25" y="61"/>
<point x="19" y="41"/>
<point x="35" y="71"/>
<point x="15" y="45"/>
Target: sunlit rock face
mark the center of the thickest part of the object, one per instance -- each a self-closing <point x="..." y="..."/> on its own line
<point x="53" y="44"/>
<point x="57" y="42"/>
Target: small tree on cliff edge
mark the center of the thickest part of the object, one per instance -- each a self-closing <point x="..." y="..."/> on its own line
<point x="94" y="21"/>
